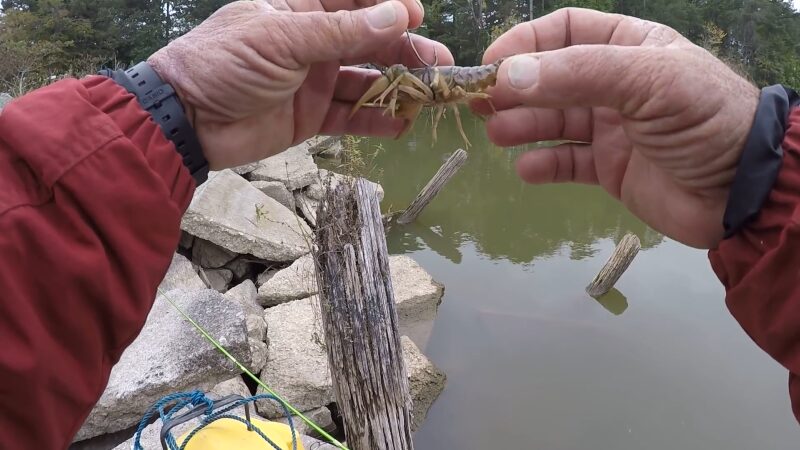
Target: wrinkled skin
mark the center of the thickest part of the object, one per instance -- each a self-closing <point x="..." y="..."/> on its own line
<point x="258" y="77"/>
<point x="666" y="121"/>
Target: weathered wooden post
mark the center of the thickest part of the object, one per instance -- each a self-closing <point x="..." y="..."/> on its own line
<point x="617" y="264"/>
<point x="445" y="173"/>
<point x="360" y="323"/>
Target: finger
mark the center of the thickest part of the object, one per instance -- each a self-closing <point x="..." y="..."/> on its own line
<point x="622" y="78"/>
<point x="525" y="124"/>
<point x="365" y="122"/>
<point x="415" y="9"/>
<point x="570" y="163"/>
<point x="319" y="83"/>
<point x="417" y="53"/>
<point x="305" y="38"/>
<point x="575" y="26"/>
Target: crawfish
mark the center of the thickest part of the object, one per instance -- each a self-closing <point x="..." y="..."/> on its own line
<point x="438" y="87"/>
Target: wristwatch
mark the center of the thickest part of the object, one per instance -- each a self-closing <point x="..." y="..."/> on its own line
<point x="161" y="101"/>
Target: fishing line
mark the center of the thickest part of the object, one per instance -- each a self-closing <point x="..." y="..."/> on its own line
<point x="225" y="352"/>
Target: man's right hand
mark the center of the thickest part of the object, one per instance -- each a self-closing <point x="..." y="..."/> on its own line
<point x="665" y="119"/>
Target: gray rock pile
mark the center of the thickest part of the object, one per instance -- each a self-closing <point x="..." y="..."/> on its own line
<point x="244" y="272"/>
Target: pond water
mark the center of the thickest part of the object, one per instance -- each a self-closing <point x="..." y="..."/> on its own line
<point x="533" y="362"/>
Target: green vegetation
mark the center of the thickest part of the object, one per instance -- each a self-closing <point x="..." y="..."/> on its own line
<point x="41" y="40"/>
<point x="45" y="39"/>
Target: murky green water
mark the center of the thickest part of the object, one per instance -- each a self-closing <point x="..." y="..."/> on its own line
<point x="532" y="361"/>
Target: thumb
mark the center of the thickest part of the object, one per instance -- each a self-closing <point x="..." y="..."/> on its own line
<point x="314" y="37"/>
<point x="619" y="77"/>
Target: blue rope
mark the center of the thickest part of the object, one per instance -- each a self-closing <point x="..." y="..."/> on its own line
<point x="195" y="398"/>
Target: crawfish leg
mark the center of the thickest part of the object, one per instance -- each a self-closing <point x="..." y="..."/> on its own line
<point x="440" y="86"/>
<point x="392" y="103"/>
<point x="459" y="92"/>
<point x="414" y="81"/>
<point x="414" y="94"/>
<point x="443" y="93"/>
<point x="460" y="126"/>
<point x="391" y="88"/>
<point x="439" y="112"/>
<point x="380" y="85"/>
<point x="406" y="83"/>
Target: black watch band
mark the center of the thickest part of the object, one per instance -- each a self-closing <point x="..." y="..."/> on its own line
<point x="162" y="103"/>
<point x="761" y="159"/>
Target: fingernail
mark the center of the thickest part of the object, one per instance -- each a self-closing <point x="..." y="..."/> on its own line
<point x="382" y="16"/>
<point x="421" y="8"/>
<point x="523" y="72"/>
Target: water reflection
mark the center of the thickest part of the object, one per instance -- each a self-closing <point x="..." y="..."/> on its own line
<point x="614" y="302"/>
<point x="486" y="203"/>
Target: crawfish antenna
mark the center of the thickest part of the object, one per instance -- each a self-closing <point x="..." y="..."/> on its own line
<point x="435" y="54"/>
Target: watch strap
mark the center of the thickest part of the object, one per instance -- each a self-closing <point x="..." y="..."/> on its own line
<point x="161" y="101"/>
<point x="761" y="159"/>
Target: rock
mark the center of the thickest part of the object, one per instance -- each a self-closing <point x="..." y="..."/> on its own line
<point x="317" y="144"/>
<point x="181" y="275"/>
<point x="234" y="386"/>
<point x="259" y="352"/>
<point x="230" y="212"/>
<point x="330" y="179"/>
<point x="320" y="416"/>
<point x="293" y="167"/>
<point x="217" y="279"/>
<point x="240" y="267"/>
<point x="209" y="255"/>
<point x="426" y="381"/>
<point x="245" y="295"/>
<point x="325" y="146"/>
<point x="298" y="369"/>
<point x="186" y="240"/>
<point x="310" y="443"/>
<point x="4" y="100"/>
<point x="417" y="294"/>
<point x="293" y="283"/>
<point x="169" y="356"/>
<point x="276" y="190"/>
<point x="307" y="206"/>
<point x="333" y="151"/>
<point x="245" y="168"/>
<point x="265" y="276"/>
<point x="256" y="327"/>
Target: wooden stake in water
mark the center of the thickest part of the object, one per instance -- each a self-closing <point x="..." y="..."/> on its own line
<point x="617" y="264"/>
<point x="445" y="173"/>
<point x="357" y="303"/>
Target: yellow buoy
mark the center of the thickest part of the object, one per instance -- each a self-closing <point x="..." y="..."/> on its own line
<point x="227" y="434"/>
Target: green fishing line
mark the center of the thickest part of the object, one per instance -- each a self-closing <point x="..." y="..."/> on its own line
<point x="222" y="349"/>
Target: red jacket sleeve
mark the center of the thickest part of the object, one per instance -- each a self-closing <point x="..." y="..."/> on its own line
<point x="760" y="267"/>
<point x="91" y="198"/>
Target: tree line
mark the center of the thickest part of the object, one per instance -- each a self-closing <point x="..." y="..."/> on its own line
<point x="41" y="39"/>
